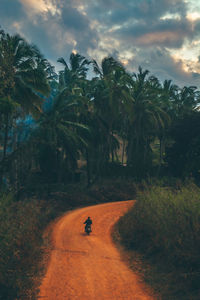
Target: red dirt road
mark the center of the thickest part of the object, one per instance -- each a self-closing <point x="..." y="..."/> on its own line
<point x="89" y="267"/>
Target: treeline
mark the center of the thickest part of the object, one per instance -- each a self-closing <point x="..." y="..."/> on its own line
<point x="58" y="127"/>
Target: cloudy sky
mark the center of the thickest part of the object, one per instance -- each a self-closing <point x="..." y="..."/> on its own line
<point x="162" y="36"/>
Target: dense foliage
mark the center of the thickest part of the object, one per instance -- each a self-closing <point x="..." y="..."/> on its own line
<point x="164" y="226"/>
<point x="49" y="122"/>
<point x="183" y="156"/>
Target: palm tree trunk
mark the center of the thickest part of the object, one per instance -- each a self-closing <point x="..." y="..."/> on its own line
<point x="160" y="151"/>
<point x="123" y="151"/>
<point x="112" y="153"/>
<point x="109" y="147"/>
<point x="88" y="169"/>
<point x="160" y="154"/>
<point x="17" y="161"/>
<point x="5" y="136"/>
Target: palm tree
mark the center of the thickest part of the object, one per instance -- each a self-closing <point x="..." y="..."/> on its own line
<point x="145" y="118"/>
<point x="110" y="97"/>
<point x="61" y="126"/>
<point x="23" y="79"/>
<point x="63" y="137"/>
<point x="72" y="75"/>
<point x="167" y="95"/>
<point x="187" y="99"/>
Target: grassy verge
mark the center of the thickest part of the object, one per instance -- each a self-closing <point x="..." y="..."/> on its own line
<point x="22" y="223"/>
<point x="163" y="229"/>
<point x="21" y="226"/>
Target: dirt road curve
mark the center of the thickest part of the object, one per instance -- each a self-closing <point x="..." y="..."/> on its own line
<point x="89" y="267"/>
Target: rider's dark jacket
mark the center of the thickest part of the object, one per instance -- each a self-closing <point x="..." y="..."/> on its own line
<point x="88" y="222"/>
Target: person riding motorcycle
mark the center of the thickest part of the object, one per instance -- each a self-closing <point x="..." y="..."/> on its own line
<point x="88" y="224"/>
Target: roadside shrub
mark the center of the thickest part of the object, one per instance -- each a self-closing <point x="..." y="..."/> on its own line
<point x="21" y="225"/>
<point x="164" y="225"/>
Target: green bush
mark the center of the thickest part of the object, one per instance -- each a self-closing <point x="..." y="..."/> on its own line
<point x="164" y="225"/>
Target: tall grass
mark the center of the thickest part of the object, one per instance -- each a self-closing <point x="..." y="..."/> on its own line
<point x="21" y="226"/>
<point x="164" y="225"/>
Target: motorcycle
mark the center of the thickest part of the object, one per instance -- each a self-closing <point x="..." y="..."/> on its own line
<point x="88" y="229"/>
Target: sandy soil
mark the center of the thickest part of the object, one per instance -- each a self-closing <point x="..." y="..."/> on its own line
<point x="89" y="267"/>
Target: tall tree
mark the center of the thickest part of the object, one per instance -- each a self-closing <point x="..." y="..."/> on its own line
<point x="70" y="78"/>
<point x="183" y="154"/>
<point x="146" y="116"/>
<point x="23" y="84"/>
<point x="23" y="78"/>
<point x="110" y="97"/>
<point x="187" y="99"/>
<point x="60" y="138"/>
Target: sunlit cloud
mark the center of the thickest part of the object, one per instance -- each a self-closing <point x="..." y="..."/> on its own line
<point x="189" y="66"/>
<point x="17" y="26"/>
<point x="189" y="60"/>
<point x="114" y="28"/>
<point x="39" y="6"/>
<point x="193" y="16"/>
<point x="81" y="9"/>
<point x="94" y="24"/>
<point x="189" y="51"/>
<point x="171" y="17"/>
<point x="158" y="38"/>
<point x="124" y="62"/>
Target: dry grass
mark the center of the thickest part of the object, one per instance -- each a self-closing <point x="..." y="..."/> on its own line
<point x="164" y="227"/>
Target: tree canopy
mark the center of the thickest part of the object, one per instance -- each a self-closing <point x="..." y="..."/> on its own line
<point x="89" y="124"/>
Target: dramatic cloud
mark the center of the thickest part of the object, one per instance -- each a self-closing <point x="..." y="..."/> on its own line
<point x="162" y="36"/>
<point x="168" y="33"/>
<point x="166" y="67"/>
